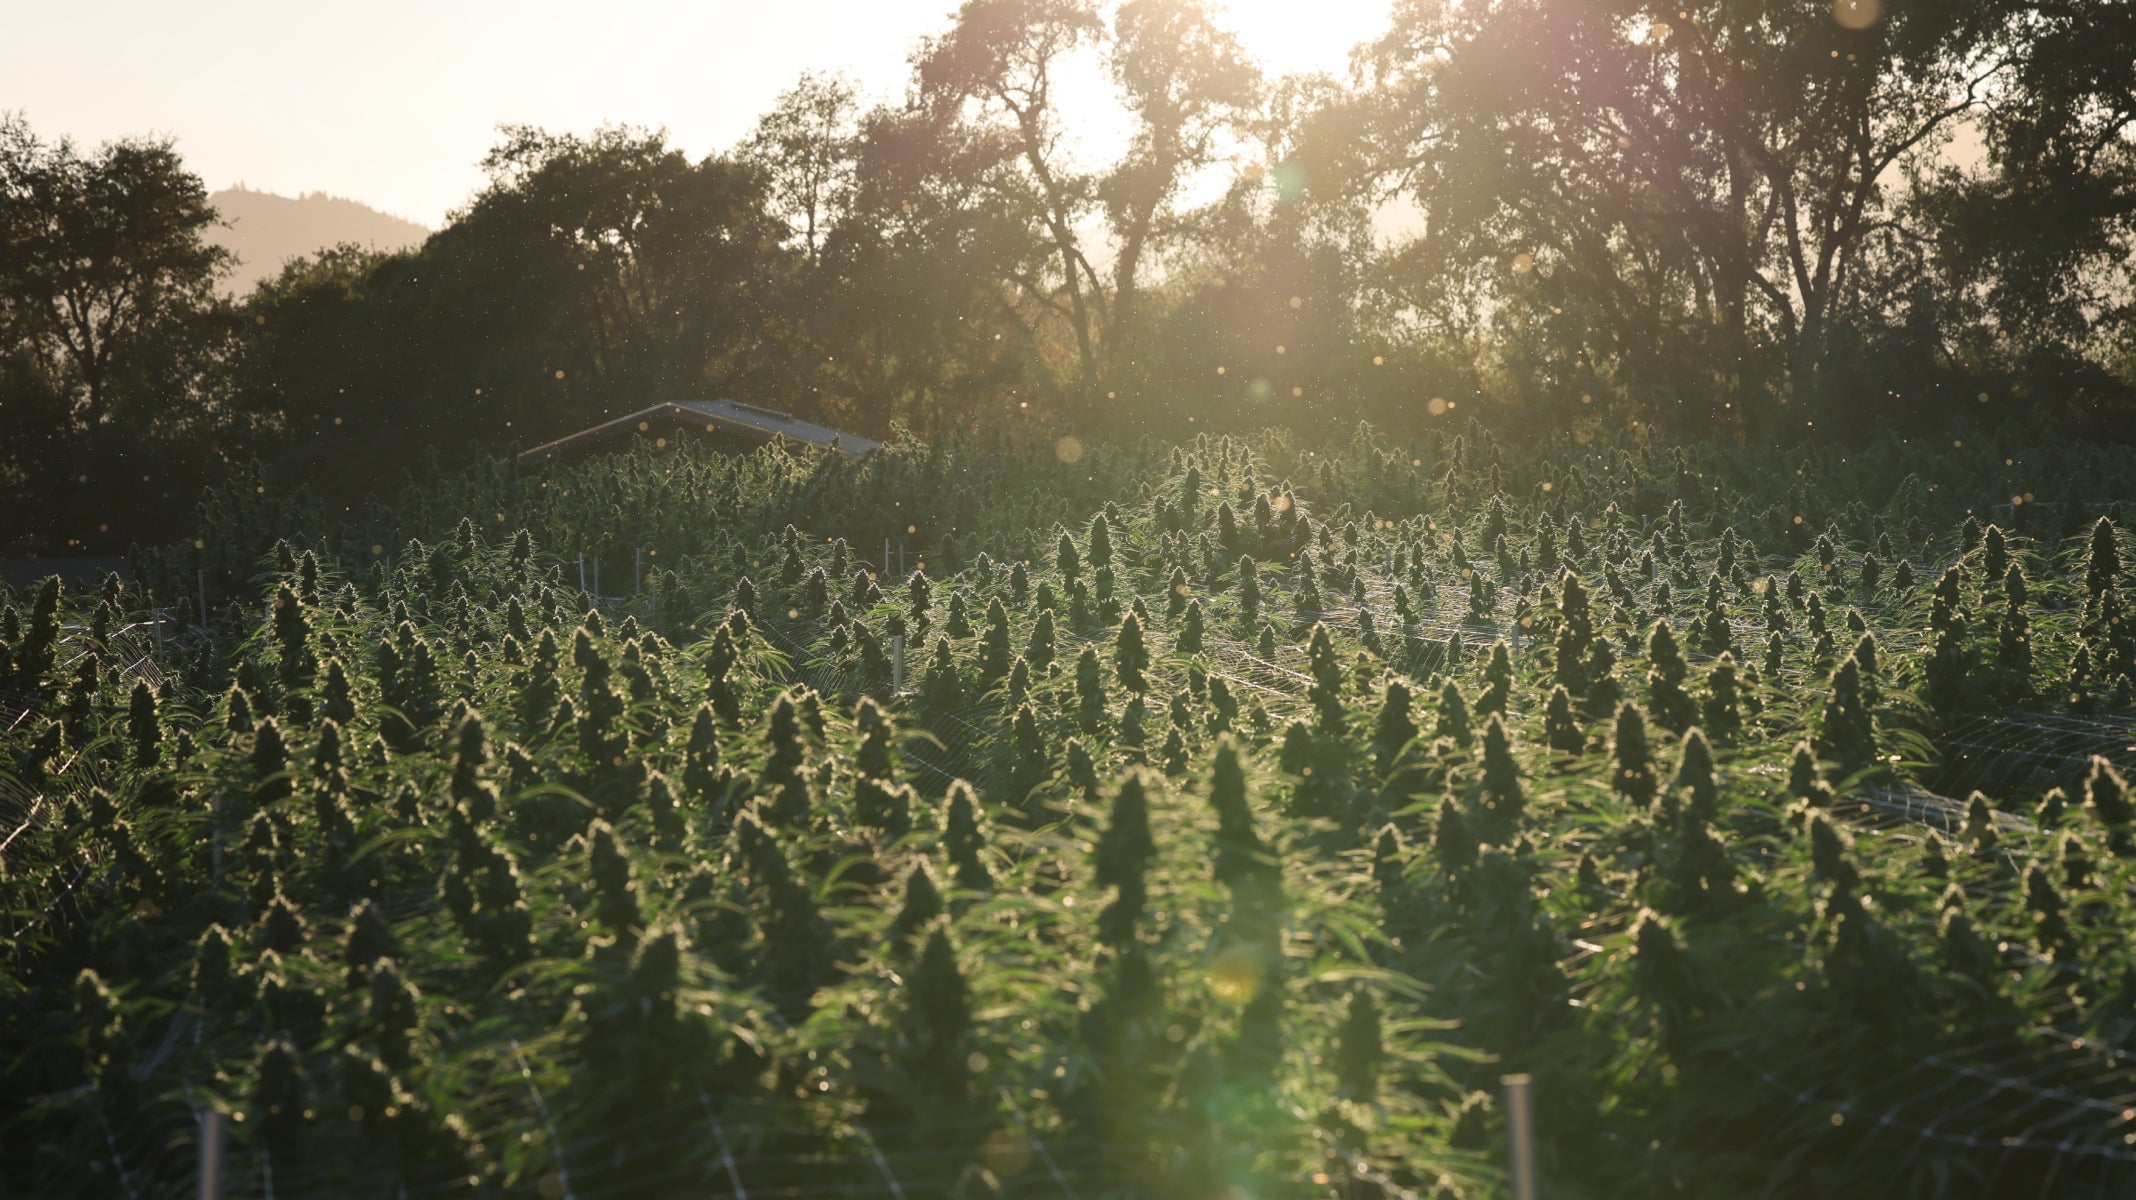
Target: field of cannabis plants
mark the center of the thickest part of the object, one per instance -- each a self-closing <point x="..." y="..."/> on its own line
<point x="1248" y="811"/>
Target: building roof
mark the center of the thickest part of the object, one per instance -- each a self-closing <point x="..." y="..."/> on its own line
<point x="748" y="422"/>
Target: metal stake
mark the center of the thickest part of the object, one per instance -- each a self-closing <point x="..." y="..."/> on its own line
<point x="1520" y="1135"/>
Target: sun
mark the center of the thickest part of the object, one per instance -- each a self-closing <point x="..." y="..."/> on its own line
<point x="1300" y="37"/>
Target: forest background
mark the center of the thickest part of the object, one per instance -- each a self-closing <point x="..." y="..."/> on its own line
<point x="1752" y="222"/>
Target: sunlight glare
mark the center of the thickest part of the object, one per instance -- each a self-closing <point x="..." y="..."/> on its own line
<point x="1287" y="37"/>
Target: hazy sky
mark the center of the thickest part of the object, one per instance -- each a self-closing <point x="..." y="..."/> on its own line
<point x="393" y="102"/>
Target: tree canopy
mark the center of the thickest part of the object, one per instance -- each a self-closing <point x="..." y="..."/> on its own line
<point x="1749" y="221"/>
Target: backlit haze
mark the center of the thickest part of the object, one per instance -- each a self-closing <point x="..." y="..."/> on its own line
<point x="393" y="103"/>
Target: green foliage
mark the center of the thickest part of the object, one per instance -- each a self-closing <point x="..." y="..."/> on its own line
<point x="1326" y="691"/>
<point x="673" y="854"/>
<point x="1846" y="735"/>
<point x="1123" y="854"/>
<point x="1392" y="730"/>
<point x="1667" y="671"/>
<point x="1632" y="772"/>
<point x="1131" y="657"/>
<point x="2106" y="802"/>
<point x="2102" y="560"/>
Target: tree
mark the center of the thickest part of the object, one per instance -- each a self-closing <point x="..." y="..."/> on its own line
<point x="1188" y="83"/>
<point x="2042" y="232"/>
<point x="926" y="303"/>
<point x="98" y="251"/>
<point x="590" y="272"/>
<point x="302" y="322"/>
<point x="999" y="60"/>
<point x="113" y="332"/>
<point x="806" y="148"/>
<point x="1713" y="186"/>
<point x="667" y="259"/>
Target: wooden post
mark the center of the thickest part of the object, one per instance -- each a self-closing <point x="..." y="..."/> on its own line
<point x="1520" y="1136"/>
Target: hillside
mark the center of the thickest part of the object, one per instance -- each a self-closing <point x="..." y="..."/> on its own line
<point x="265" y="230"/>
<point x="1248" y="810"/>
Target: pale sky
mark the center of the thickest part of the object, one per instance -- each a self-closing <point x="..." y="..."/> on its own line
<point x="393" y="102"/>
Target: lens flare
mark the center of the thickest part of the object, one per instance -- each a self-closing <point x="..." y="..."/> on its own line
<point x="1857" y="14"/>
<point x="1235" y="975"/>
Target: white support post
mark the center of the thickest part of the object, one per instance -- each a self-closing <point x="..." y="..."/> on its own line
<point x="211" y="1147"/>
<point x="637" y="569"/>
<point x="1520" y="1136"/>
<point x="582" y="570"/>
<point x="897" y="663"/>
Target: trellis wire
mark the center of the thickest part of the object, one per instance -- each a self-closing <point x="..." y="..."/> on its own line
<point x="541" y="1106"/>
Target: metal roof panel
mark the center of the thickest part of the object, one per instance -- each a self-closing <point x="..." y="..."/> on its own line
<point x="751" y="421"/>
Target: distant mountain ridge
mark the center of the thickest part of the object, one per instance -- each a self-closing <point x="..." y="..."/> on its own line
<point x="265" y="230"/>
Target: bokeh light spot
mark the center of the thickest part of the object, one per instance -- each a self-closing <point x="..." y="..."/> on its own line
<point x="1235" y="975"/>
<point x="1857" y="14"/>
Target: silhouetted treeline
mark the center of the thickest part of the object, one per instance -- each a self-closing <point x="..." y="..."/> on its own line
<point x="1758" y="222"/>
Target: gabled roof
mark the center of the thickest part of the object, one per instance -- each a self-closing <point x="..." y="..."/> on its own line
<point x="749" y="422"/>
